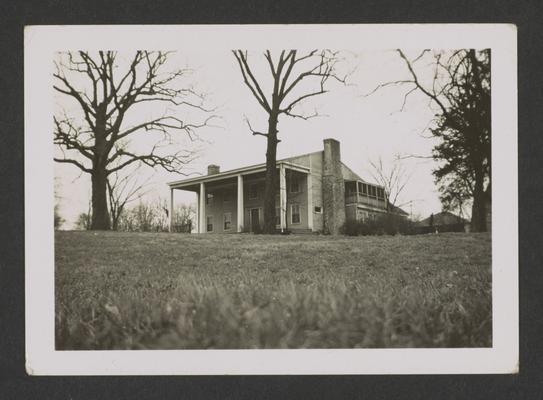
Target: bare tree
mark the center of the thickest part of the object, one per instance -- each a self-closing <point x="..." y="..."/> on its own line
<point x="104" y="87"/>
<point x="315" y="68"/>
<point x="184" y="216"/>
<point x="460" y="91"/>
<point x="58" y="219"/>
<point x="145" y="215"/>
<point x="123" y="189"/>
<point x="84" y="220"/>
<point x="393" y="178"/>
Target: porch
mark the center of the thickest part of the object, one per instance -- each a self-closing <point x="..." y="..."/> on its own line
<point x="362" y="193"/>
<point x="232" y="201"/>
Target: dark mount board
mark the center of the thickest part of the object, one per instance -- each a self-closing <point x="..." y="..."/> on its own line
<point x="14" y="383"/>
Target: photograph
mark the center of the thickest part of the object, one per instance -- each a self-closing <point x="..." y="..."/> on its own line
<point x="259" y="194"/>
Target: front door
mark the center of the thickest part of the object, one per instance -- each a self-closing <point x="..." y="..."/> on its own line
<point x="255" y="220"/>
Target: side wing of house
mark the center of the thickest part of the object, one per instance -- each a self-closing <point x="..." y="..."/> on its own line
<point x="311" y="197"/>
<point x="363" y="200"/>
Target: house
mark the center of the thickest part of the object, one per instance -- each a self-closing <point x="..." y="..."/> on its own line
<point x="317" y="193"/>
<point x="442" y="222"/>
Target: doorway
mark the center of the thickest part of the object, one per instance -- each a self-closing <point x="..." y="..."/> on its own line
<point x="255" y="219"/>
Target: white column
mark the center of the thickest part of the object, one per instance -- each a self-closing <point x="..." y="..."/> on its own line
<point x="283" y="196"/>
<point x="357" y="194"/>
<point x="241" y="212"/>
<point x="197" y="218"/>
<point x="309" y="201"/>
<point x="171" y="209"/>
<point x="202" y="211"/>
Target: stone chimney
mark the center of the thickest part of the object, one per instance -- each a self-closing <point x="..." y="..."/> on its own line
<point x="213" y="169"/>
<point x="333" y="188"/>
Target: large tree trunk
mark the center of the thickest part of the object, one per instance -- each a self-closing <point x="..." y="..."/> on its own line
<point x="100" y="214"/>
<point x="270" y="188"/>
<point x="478" y="209"/>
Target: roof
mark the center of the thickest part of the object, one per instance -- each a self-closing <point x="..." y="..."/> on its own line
<point x="349" y="175"/>
<point x="396" y="210"/>
<point x="289" y="162"/>
<point x="442" y="218"/>
<point x="234" y="172"/>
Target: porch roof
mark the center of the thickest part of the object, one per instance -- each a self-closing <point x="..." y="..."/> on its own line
<point x="252" y="169"/>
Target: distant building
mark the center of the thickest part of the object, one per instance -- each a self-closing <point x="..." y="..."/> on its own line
<point x="442" y="222"/>
<point x="317" y="193"/>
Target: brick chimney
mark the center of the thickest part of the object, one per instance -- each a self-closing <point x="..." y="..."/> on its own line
<point x="333" y="188"/>
<point x="213" y="169"/>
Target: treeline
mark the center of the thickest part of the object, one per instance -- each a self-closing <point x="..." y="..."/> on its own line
<point x="147" y="216"/>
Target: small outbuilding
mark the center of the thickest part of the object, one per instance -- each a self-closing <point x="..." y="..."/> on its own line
<point x="442" y="222"/>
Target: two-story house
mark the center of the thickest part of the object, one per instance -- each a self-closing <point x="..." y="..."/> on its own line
<point x="317" y="193"/>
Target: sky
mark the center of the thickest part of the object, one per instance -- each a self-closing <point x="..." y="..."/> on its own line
<point x="368" y="127"/>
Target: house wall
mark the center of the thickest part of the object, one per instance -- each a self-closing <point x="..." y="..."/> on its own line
<point x="219" y="207"/>
<point x="316" y="180"/>
<point x="299" y="198"/>
<point x="363" y="213"/>
<point x="252" y="203"/>
<point x="350" y="212"/>
<point x="314" y="161"/>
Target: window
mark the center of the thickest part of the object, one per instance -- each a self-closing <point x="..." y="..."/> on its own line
<point x="362" y="215"/>
<point x="295" y="213"/>
<point x="350" y="187"/>
<point x="294" y="184"/>
<point x="253" y="191"/>
<point x="210" y="223"/>
<point x="227" y="221"/>
<point x="277" y="215"/>
<point x="364" y="188"/>
<point x="372" y="191"/>
<point x="318" y="210"/>
<point x="380" y="193"/>
<point x="227" y="196"/>
<point x="209" y="198"/>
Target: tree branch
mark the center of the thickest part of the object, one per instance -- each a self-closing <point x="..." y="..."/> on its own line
<point x="74" y="162"/>
<point x="246" y="72"/>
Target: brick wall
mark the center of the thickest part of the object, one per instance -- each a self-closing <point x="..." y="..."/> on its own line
<point x="333" y="188"/>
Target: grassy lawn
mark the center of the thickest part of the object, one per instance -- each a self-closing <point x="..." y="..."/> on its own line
<point x="163" y="291"/>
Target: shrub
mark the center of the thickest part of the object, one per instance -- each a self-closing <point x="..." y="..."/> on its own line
<point x="385" y="224"/>
<point x="351" y="228"/>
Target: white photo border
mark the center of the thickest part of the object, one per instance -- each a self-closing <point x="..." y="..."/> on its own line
<point x="41" y="357"/>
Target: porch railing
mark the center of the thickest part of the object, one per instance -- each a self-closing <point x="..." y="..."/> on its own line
<point x="361" y="198"/>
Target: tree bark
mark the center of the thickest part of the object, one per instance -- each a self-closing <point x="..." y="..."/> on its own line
<point x="100" y="214"/>
<point x="270" y="188"/>
<point x="478" y="209"/>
